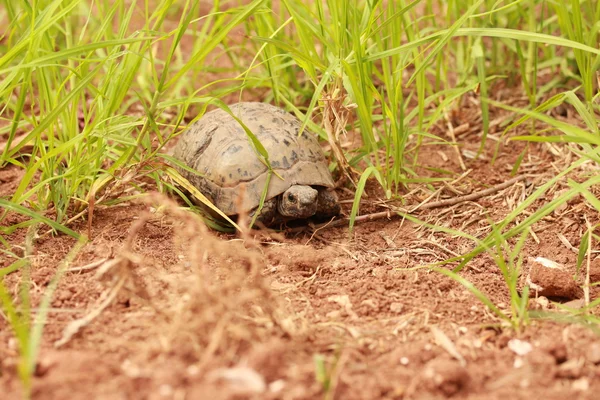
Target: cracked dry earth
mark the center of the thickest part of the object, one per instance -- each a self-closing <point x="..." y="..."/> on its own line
<point x="170" y="310"/>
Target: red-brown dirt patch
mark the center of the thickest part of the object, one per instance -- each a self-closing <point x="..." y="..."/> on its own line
<point x="201" y="315"/>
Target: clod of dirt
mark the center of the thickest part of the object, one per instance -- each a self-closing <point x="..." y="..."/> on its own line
<point x="445" y="377"/>
<point x="43" y="366"/>
<point x="397" y="308"/>
<point x="299" y="257"/>
<point x="595" y="270"/>
<point x="572" y="369"/>
<point x="558" y="351"/>
<point x="593" y="353"/>
<point x="344" y="302"/>
<point x="539" y="366"/>
<point x="539" y="303"/>
<point x="240" y="379"/>
<point x="550" y="279"/>
<point x="520" y="347"/>
<point x="581" y="384"/>
<point x="61" y="372"/>
<point x="269" y="358"/>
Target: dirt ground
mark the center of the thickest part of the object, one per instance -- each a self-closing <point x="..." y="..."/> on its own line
<point x="175" y="311"/>
<point x="166" y="309"/>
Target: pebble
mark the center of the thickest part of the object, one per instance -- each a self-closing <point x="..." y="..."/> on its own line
<point x="193" y="370"/>
<point x="396" y="307"/>
<point x="571" y="369"/>
<point x="550" y="279"/>
<point x="243" y="379"/>
<point x="165" y="390"/>
<point x="593" y="353"/>
<point x="520" y="347"/>
<point x="277" y="386"/>
<point x="581" y="384"/>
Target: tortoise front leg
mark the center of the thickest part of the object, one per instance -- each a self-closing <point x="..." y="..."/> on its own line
<point x="268" y="213"/>
<point x="328" y="203"/>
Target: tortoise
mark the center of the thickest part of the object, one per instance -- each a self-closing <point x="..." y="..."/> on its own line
<point x="220" y="150"/>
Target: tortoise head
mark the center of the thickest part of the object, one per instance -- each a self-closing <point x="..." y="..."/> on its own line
<point x="298" y="201"/>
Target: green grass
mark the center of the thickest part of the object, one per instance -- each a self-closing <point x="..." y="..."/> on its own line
<point x="508" y="261"/>
<point x="89" y="96"/>
<point x="86" y="142"/>
<point x="382" y="62"/>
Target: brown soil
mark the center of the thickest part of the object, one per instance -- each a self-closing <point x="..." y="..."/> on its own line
<point x="191" y="314"/>
<point x="200" y="315"/>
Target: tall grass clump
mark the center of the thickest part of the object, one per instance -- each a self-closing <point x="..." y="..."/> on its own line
<point x="389" y="71"/>
<point x="370" y="73"/>
<point x="91" y="92"/>
<point x="385" y="71"/>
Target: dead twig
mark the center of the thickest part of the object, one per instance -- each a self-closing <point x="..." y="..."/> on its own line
<point x="470" y="197"/>
<point x="436" y="204"/>
<point x="87" y="267"/>
<point x="75" y="326"/>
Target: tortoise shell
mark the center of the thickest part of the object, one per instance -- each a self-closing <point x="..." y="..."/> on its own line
<point x="219" y="148"/>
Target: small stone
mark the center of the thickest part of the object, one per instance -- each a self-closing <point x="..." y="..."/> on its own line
<point x="524" y="383"/>
<point x="193" y="370"/>
<point x="593" y="353"/>
<point x="344" y="302"/>
<point x="540" y="303"/>
<point x="571" y="369"/>
<point x="165" y="390"/>
<point x="520" y="347"/>
<point x="43" y="367"/>
<point x="240" y="379"/>
<point x="277" y="386"/>
<point x="595" y="270"/>
<point x="581" y="384"/>
<point x="396" y="307"/>
<point x="545" y="262"/>
<point x="130" y="369"/>
<point x="404" y="361"/>
<point x="518" y="363"/>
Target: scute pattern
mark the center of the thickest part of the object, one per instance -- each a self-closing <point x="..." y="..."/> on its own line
<point x="217" y="146"/>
